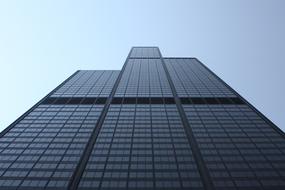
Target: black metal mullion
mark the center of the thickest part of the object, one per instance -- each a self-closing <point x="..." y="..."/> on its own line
<point x="205" y="176"/>
<point x="131" y="147"/>
<point x="46" y="148"/>
<point x="172" y="143"/>
<point x="75" y="178"/>
<point x="110" y="147"/>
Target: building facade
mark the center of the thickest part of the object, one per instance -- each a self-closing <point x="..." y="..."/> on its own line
<point x="159" y="123"/>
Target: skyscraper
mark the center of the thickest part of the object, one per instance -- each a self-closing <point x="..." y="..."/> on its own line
<point x="159" y="123"/>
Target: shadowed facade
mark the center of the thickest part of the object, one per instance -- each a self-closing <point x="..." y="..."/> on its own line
<point x="158" y="123"/>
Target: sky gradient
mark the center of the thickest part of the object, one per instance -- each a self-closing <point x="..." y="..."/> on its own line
<point x="44" y="42"/>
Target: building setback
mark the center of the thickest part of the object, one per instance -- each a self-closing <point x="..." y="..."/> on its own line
<point x="159" y="123"/>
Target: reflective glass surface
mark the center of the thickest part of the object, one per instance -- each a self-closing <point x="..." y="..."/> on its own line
<point x="156" y="124"/>
<point x="191" y="79"/>
<point x="239" y="148"/>
<point x="141" y="147"/>
<point x="144" y="78"/>
<point x="87" y="83"/>
<point x="43" y="149"/>
<point x="145" y="52"/>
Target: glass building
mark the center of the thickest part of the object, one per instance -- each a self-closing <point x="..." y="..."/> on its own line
<point x="158" y="123"/>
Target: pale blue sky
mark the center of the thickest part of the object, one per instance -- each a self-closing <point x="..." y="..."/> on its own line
<point x="44" y="42"/>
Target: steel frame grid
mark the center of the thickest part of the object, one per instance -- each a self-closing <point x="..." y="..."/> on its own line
<point x="75" y="179"/>
<point x="275" y="127"/>
<point x="80" y="167"/>
<point x="208" y="184"/>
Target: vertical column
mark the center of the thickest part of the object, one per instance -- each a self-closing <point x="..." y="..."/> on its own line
<point x="208" y="184"/>
<point x="75" y="179"/>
